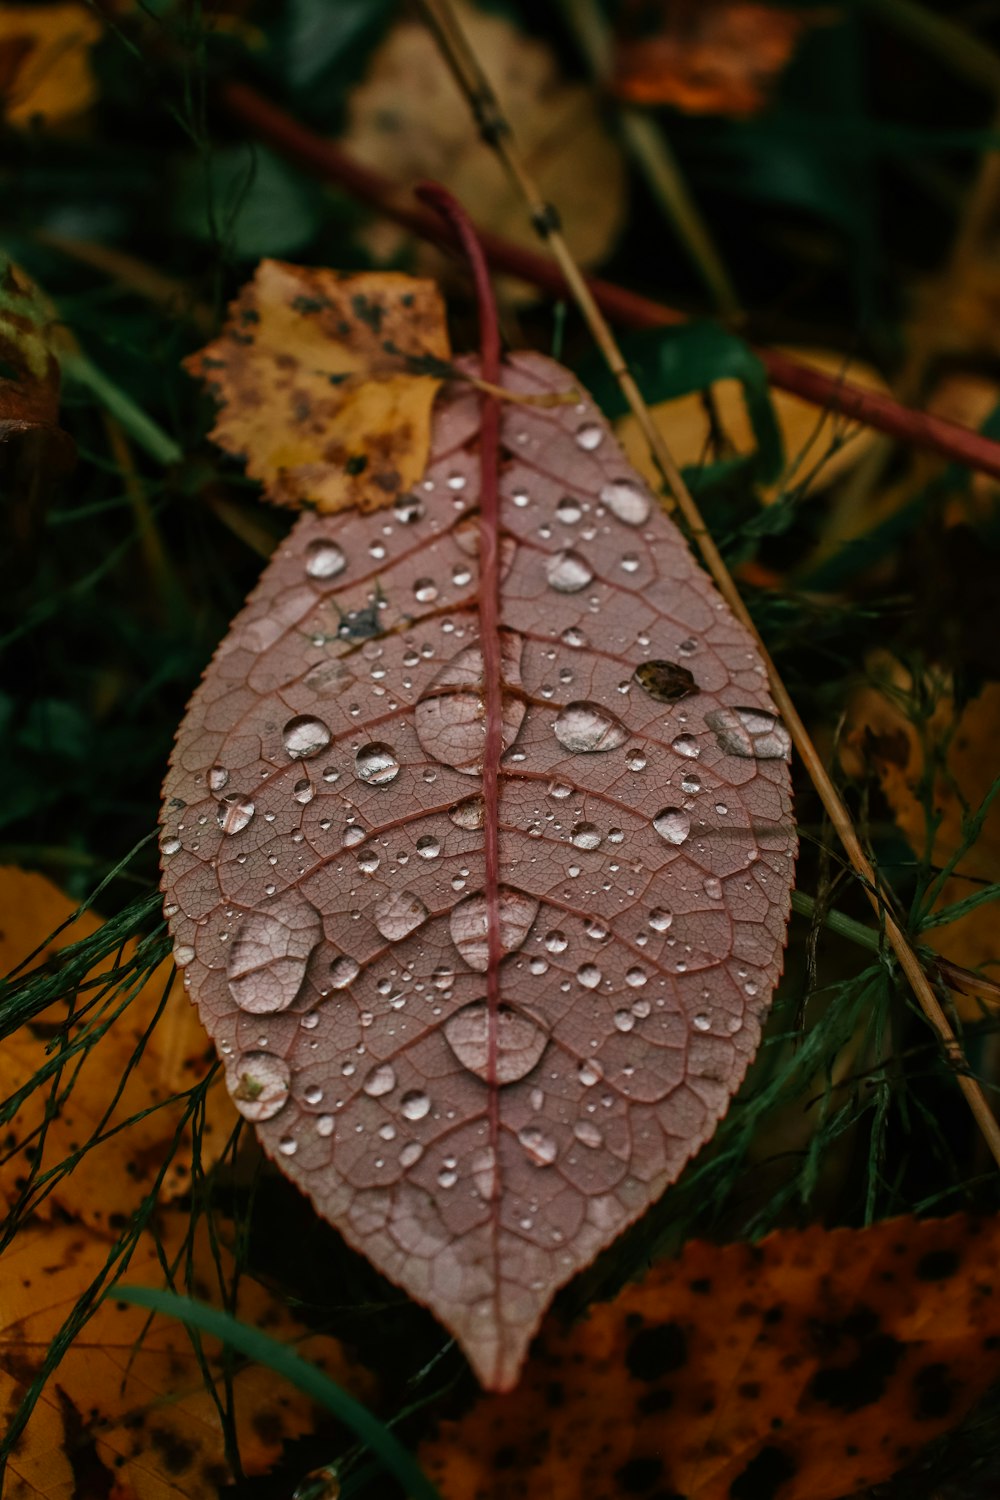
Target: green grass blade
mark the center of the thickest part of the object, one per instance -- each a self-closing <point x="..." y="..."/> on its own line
<point x="285" y="1362"/>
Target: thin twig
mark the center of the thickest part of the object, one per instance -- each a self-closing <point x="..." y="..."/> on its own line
<point x="496" y="131"/>
<point x="313" y="153"/>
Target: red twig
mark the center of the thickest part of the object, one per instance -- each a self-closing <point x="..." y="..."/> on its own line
<point x="325" y="160"/>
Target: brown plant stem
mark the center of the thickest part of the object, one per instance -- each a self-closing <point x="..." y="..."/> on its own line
<point x="496" y="131"/>
<point x="315" y="154"/>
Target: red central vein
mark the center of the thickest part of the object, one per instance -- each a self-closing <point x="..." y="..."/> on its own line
<point x="489" y="625"/>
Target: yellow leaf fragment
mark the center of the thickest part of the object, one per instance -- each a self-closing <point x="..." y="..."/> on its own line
<point x="127" y="1412"/>
<point x="326" y="383"/>
<point x="110" y="1178"/>
<point x="45" y="68"/>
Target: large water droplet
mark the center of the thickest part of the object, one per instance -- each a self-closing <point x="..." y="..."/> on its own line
<point x="518" y="1042"/>
<point x="541" y="1149"/>
<point x="258" y="1084"/>
<point x="468" y="923"/>
<point x="304" y="736"/>
<point x="588" y="727"/>
<point x="381" y="1080"/>
<point x="586" y="836"/>
<point x="625" y="500"/>
<point x="686" y="745"/>
<point x="399" y="915"/>
<point x="324" y="559"/>
<point x="414" y="1105"/>
<point x="660" y="919"/>
<point x="672" y="824"/>
<point x="568" y="572"/>
<point x="377" y="764"/>
<point x="589" y="436"/>
<point x="588" y="1134"/>
<point x="343" y="971"/>
<point x="665" y="681"/>
<point x="450" y="716"/>
<point x="267" y="961"/>
<point x="428" y="847"/>
<point x="218" y="779"/>
<point x="234" y="812"/>
<point x="589" y="975"/>
<point x="469" y="813"/>
<point x="750" y="732"/>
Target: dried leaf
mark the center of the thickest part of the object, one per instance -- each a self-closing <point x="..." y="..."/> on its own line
<point x="409" y="120"/>
<point x="883" y="733"/>
<point x="324" y="386"/>
<point x="482" y="1062"/>
<point x="709" y="57"/>
<point x="45" y="71"/>
<point x="806" y="1367"/>
<point x="127" y="1412"/>
<point x="807" y="435"/>
<point x="110" y="1179"/>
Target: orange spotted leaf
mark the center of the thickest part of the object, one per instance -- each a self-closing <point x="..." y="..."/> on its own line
<point x="807" y="1367"/>
<point x="326" y="383"/>
<point x="478" y="842"/>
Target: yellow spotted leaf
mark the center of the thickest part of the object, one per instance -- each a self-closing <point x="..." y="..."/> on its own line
<point x="110" y="1178"/>
<point x="803" y="1368"/>
<point x="45" y="71"/>
<point x="127" y="1413"/>
<point x="326" y="383"/>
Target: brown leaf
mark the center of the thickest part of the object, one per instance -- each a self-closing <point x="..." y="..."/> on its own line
<point x="45" y="72"/>
<point x="718" y="57"/>
<point x="483" y="928"/>
<point x="110" y="1179"/>
<point x="324" y="385"/>
<point x="805" y="1367"/>
<point x="409" y="120"/>
<point x="883" y="733"/>
<point x="127" y="1412"/>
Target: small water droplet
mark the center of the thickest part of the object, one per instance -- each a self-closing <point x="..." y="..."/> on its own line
<point x="686" y="745"/>
<point x="701" y="1022"/>
<point x="586" y="836"/>
<point x="407" y="509"/>
<point x="636" y="977"/>
<point x="589" y="1073"/>
<point x="540" y="1148"/>
<point x="170" y="846"/>
<point x="569" y="510"/>
<point x="556" y="941"/>
<point x="588" y="728"/>
<point x="635" y="760"/>
<point x="368" y="861"/>
<point x="234" y="812"/>
<point x="376" y="764"/>
<point x="218" y="779"/>
<point x="414" y="1105"/>
<point x="568" y="572"/>
<point x="660" y="919"/>
<point x="425" y="591"/>
<point x="672" y="824"/>
<point x="589" y="975"/>
<point x="381" y="1080"/>
<point x="324" y="559"/>
<point x="259" y="1084"/>
<point x="574" y="637"/>
<point x="343" y="971"/>
<point x="305" y="736"/>
<point x="588" y="1134"/>
<point x="313" y="1094"/>
<point x="597" y="932"/>
<point x="691" y="782"/>
<point x="288" y="1145"/>
<point x="399" y="915"/>
<point x="183" y="955"/>
<point x="468" y="814"/>
<point x="411" y="1154"/>
<point x="589" y="436"/>
<point x="428" y="847"/>
<point x="353" y="834"/>
<point x="624" y="1020"/>
<point x="713" y="888"/>
<point x="626" y="501"/>
<point x="303" y="791"/>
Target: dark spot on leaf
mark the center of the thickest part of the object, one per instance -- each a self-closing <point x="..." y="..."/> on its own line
<point x="306" y="305"/>
<point x="937" y="1265"/>
<point x="665" y="681"/>
<point x="367" y="312"/>
<point x="177" y="1455"/>
<point x="864" y="1380"/>
<point x="702" y="1286"/>
<point x="934" y="1391"/>
<point x="638" y="1474"/>
<point x="337" y="379"/>
<point x="268" y="1426"/>
<point x="657" y="1351"/>
<point x="356" y="464"/>
<point x="749" y="1390"/>
<point x="505" y="1457"/>
<point x="764" y="1475"/>
<point x="654" y="1401"/>
<point x="91" y="1477"/>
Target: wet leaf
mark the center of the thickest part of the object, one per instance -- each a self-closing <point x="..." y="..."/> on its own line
<point x="483" y="928"/>
<point x="323" y="383"/>
<point x="128" y="1411"/>
<point x="806" y="1367"/>
<point x="409" y="120"/>
<point x="45" y="73"/>
<point x="718" y="57"/>
<point x="110" y="1178"/>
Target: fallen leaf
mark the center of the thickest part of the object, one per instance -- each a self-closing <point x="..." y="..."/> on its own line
<point x="127" y="1412"/>
<point x="812" y="460"/>
<point x="324" y="385"/>
<point x="409" y="120"/>
<point x="883" y="733"/>
<point x="111" y="1178"/>
<point x="45" y="72"/>
<point x="483" y="1036"/>
<point x="805" y="1367"/>
<point x="708" y="57"/>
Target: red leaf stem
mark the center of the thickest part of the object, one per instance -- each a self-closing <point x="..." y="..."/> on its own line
<point x="317" y="155"/>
